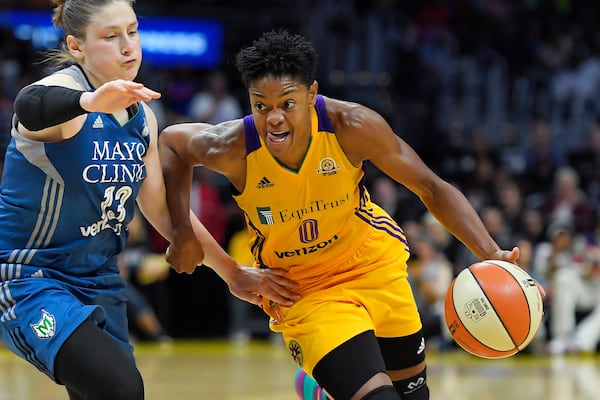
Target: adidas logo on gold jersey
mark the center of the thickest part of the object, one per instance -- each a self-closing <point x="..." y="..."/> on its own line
<point x="264" y="183"/>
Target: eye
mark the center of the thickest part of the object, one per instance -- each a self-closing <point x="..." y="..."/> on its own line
<point x="260" y="107"/>
<point x="133" y="32"/>
<point x="288" y="104"/>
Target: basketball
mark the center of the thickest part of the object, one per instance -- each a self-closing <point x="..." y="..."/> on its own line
<point x="493" y="309"/>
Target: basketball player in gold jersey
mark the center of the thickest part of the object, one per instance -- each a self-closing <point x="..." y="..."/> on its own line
<point x="296" y="166"/>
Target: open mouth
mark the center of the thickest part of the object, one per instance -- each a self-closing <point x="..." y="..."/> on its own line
<point x="277" y="137"/>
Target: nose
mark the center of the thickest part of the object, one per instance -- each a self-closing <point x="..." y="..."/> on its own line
<point x="126" y="45"/>
<point x="275" y="117"/>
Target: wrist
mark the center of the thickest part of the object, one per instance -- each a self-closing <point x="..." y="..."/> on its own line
<point x="85" y="101"/>
<point x="226" y="268"/>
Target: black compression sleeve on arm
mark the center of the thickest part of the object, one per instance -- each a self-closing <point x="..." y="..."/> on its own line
<point x="38" y="106"/>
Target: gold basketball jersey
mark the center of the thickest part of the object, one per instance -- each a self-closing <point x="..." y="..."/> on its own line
<point x="311" y="220"/>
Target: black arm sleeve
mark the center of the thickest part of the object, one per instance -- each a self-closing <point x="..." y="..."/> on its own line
<point x="38" y="106"/>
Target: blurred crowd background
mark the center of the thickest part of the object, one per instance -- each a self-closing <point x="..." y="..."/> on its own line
<point x="498" y="97"/>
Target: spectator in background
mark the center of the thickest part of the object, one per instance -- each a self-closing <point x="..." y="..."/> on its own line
<point x="138" y="266"/>
<point x="568" y="202"/>
<point x="542" y="157"/>
<point x="532" y="226"/>
<point x="215" y="104"/>
<point x="206" y="202"/>
<point x="479" y="186"/>
<point x="179" y="88"/>
<point x="586" y="161"/>
<point x="443" y="241"/>
<point x="576" y="306"/>
<point x="400" y="203"/>
<point x="494" y="221"/>
<point x="430" y="276"/>
<point x="511" y="204"/>
<point x="560" y="261"/>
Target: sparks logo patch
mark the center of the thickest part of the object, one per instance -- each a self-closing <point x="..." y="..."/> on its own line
<point x="265" y="215"/>
<point x="46" y="327"/>
<point x="328" y="166"/>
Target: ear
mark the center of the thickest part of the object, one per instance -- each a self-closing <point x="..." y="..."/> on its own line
<point x="75" y="47"/>
<point x="312" y="92"/>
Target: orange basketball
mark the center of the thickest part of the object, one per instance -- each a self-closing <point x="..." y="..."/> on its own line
<point x="493" y="309"/>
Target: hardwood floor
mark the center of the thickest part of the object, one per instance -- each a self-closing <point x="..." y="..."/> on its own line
<point x="186" y="370"/>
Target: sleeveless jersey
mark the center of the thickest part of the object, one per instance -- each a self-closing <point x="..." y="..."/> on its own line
<point x="65" y="206"/>
<point x="311" y="220"/>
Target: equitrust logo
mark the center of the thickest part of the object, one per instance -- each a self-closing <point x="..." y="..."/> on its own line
<point x="265" y="215"/>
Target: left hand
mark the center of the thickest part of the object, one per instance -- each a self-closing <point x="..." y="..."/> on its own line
<point x="510" y="256"/>
<point x="250" y="284"/>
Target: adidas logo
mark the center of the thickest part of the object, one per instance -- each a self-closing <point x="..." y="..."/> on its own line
<point x="264" y="183"/>
<point x="98" y="123"/>
<point x="38" y="274"/>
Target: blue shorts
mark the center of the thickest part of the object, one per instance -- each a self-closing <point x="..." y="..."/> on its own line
<point x="37" y="315"/>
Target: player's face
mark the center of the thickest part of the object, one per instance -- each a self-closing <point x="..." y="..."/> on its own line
<point x="112" y="48"/>
<point x="281" y="110"/>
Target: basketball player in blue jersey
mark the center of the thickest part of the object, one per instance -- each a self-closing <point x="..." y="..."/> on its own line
<point x="296" y="166"/>
<point x="83" y="150"/>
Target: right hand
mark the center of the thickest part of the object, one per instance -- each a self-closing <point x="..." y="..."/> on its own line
<point x="261" y="285"/>
<point x="185" y="254"/>
<point x="115" y="96"/>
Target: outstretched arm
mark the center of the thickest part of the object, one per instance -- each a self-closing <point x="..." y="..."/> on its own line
<point x="368" y="137"/>
<point x="53" y="108"/>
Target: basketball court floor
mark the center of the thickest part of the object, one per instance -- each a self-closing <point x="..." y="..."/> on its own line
<point x="218" y="370"/>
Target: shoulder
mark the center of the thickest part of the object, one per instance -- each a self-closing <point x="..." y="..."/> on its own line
<point x="148" y="111"/>
<point x="225" y="150"/>
<point x="348" y="115"/>
<point x="60" y="78"/>
<point x="359" y="129"/>
<point x="225" y="134"/>
<point x="225" y="140"/>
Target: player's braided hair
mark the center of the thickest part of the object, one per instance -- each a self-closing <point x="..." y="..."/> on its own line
<point x="278" y="53"/>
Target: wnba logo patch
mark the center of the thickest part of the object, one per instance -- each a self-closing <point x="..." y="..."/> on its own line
<point x="296" y="351"/>
<point x="46" y="326"/>
<point x="328" y="166"/>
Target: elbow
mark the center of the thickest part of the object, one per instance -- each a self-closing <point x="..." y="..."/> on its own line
<point x="28" y="110"/>
<point x="166" y="144"/>
<point x="164" y="137"/>
<point x="431" y="191"/>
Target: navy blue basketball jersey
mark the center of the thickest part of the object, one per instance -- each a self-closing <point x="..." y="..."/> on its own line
<point x="65" y="206"/>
